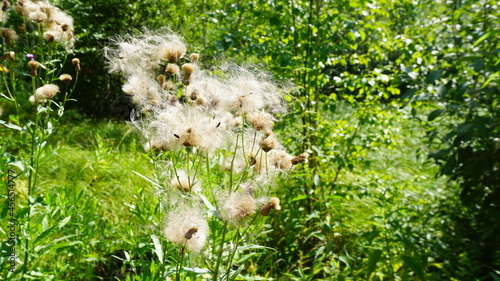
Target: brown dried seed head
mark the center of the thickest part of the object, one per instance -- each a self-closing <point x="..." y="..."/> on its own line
<point x="33" y="64"/>
<point x="9" y="35"/>
<point x="65" y="77"/>
<point x="269" y="143"/>
<point x="274" y="203"/>
<point x="172" y="69"/>
<point x="173" y="53"/>
<point x="302" y="158"/>
<point x="188" y="70"/>
<point x="76" y="63"/>
<point x="195" y="57"/>
<point x="161" y="80"/>
<point x="9" y="55"/>
<point x="194" y="95"/>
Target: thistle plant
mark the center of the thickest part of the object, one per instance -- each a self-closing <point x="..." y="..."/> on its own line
<point x="35" y="40"/>
<point x="210" y="137"/>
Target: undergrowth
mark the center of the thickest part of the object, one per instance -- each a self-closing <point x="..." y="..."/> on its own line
<point x="380" y="217"/>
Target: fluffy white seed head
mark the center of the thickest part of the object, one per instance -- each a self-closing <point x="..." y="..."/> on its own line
<point x="189" y="127"/>
<point x="280" y="159"/>
<point x="57" y="25"/>
<point x="237" y="206"/>
<point x="269" y="143"/>
<point x="187" y="227"/>
<point x="250" y="91"/>
<point x="144" y="52"/>
<point x="143" y="90"/>
<point x="261" y="121"/>
<point x="173" y="50"/>
<point x="46" y="91"/>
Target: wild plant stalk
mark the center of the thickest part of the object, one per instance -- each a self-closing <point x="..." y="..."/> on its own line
<point x="33" y="153"/>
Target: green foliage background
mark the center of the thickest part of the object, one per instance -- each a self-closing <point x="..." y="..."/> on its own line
<point x="397" y="102"/>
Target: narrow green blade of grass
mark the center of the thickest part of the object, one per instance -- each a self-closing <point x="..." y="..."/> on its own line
<point x="372" y="262"/>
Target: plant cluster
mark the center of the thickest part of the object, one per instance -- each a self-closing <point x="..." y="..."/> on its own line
<point x="211" y="134"/>
<point x="35" y="40"/>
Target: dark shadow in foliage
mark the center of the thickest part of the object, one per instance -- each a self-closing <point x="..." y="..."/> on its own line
<point x="115" y="267"/>
<point x="468" y="93"/>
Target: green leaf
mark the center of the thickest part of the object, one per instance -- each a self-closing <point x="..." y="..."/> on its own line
<point x="490" y="79"/>
<point x="415" y="266"/>
<point x="158" y="248"/>
<point x="300" y="197"/>
<point x="438" y="154"/>
<point x="197" y="270"/>
<point x="464" y="128"/>
<point x="237" y="272"/>
<point x="147" y="179"/>
<point x="274" y="20"/>
<point x="362" y="34"/>
<point x="345" y="260"/>
<point x="482" y="38"/>
<point x="6" y="97"/>
<point x="433" y="115"/>
<point x="469" y="58"/>
<point x="372" y="262"/>
<point x="316" y="180"/>
<point x="47" y="232"/>
<point x="433" y="76"/>
<point x="408" y="95"/>
<point x="450" y="165"/>
<point x="12" y="126"/>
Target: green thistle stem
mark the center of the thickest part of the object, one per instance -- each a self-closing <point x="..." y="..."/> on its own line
<point x="179" y="265"/>
<point x="221" y="250"/>
<point x="31" y="174"/>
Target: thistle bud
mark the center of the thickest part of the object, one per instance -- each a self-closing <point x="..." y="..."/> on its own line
<point x="302" y="158"/>
<point x="65" y="78"/>
<point x="274" y="203"/>
<point x="33" y="64"/>
<point x="9" y="55"/>
<point x="195" y="57"/>
<point x="172" y="69"/>
<point x="188" y="70"/>
<point x="161" y="80"/>
<point x="6" y="5"/>
<point x="76" y="63"/>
